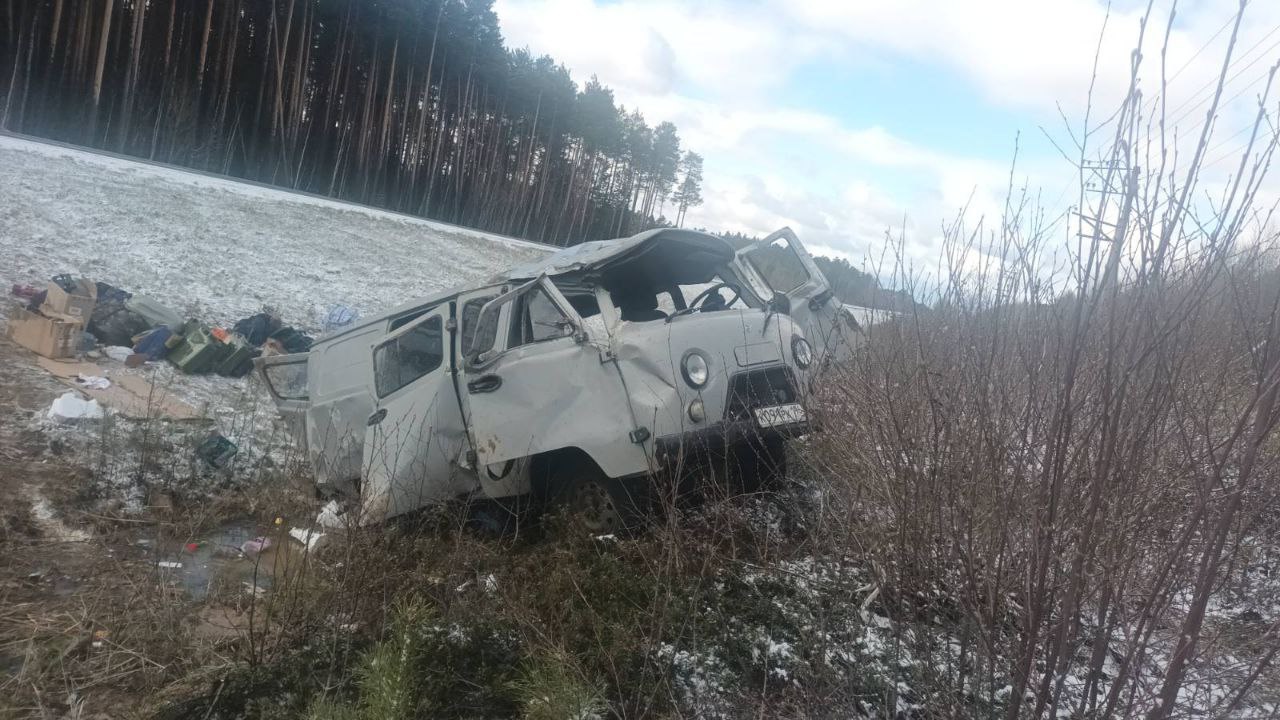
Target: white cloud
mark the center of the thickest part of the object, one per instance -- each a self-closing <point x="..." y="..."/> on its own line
<point x="714" y="68"/>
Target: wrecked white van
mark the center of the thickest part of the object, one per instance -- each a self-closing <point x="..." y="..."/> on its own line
<point x="580" y="377"/>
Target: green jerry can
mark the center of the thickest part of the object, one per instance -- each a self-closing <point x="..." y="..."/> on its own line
<point x="199" y="352"/>
<point x="239" y="360"/>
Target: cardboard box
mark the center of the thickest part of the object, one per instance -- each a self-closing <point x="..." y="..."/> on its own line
<point x="76" y="304"/>
<point x="51" y="336"/>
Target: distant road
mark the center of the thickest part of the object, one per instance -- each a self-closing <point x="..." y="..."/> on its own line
<point x="232" y="178"/>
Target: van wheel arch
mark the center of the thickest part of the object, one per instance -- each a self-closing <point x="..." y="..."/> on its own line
<point x="570" y="477"/>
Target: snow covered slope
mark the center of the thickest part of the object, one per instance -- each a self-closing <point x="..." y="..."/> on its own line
<point x="219" y="250"/>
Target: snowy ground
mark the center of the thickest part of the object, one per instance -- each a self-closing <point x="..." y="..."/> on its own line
<point x="219" y="250"/>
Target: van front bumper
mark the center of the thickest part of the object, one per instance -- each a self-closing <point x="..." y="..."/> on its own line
<point x="724" y="434"/>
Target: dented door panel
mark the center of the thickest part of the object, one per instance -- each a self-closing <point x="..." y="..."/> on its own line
<point x="528" y="397"/>
<point x="415" y="433"/>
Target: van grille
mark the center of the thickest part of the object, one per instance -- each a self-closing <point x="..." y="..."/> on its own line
<point x="759" y="388"/>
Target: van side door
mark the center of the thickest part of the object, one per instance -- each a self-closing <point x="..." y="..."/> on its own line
<point x="415" y="431"/>
<point x="783" y="266"/>
<point x="542" y="383"/>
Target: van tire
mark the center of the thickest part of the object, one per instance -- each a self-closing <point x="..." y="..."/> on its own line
<point x="601" y="505"/>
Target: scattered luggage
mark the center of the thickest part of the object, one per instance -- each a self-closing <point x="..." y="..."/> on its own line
<point x="338" y="316"/>
<point x="26" y="292"/>
<point x="71" y="297"/>
<point x="198" y="352"/>
<point x="114" y="324"/>
<point x="154" y="343"/>
<point x="256" y="329"/>
<point x="239" y="360"/>
<point x="291" y="340"/>
<point x="111" y="293"/>
<point x="53" y="336"/>
<point x="155" y="313"/>
<point x="74" y="314"/>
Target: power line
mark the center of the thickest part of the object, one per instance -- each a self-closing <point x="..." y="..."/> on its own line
<point x="1213" y="83"/>
<point x="1232" y="153"/>
<point x="1203" y="47"/>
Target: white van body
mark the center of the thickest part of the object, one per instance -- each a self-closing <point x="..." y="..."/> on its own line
<point x="565" y="374"/>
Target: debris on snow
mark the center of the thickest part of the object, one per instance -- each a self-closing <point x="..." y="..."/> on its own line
<point x="70" y="407"/>
<point x="309" y="538"/>
<point x="119" y="353"/>
<point x="93" y="382"/>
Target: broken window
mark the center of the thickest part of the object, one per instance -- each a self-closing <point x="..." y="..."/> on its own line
<point x="409" y="356"/>
<point x="288" y="380"/>
<point x="478" y="334"/>
<point x="538" y="319"/>
<point x="637" y="303"/>
<point x="779" y="265"/>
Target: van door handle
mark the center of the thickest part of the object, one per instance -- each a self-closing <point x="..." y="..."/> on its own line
<point x="377" y="417"/>
<point x="484" y="384"/>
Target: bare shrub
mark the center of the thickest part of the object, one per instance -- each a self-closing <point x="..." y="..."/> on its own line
<point x="1074" y="466"/>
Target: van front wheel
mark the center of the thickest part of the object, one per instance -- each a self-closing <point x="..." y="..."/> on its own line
<point x="602" y="505"/>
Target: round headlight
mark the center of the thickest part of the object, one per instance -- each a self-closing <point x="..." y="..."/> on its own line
<point x="802" y="351"/>
<point x="695" y="370"/>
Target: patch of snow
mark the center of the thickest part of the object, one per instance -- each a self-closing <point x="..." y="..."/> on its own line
<point x="220" y="250"/>
<point x="51" y="525"/>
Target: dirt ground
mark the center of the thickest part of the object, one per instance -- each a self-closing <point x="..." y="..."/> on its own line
<point x="92" y="623"/>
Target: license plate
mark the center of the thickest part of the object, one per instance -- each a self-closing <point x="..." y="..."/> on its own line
<point x="779" y="415"/>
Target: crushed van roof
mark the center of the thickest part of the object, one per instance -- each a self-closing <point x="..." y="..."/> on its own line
<point x="598" y="254"/>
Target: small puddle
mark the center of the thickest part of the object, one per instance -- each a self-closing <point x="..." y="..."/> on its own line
<point x="219" y="562"/>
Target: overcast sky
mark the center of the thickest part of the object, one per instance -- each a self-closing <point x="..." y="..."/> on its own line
<point x="842" y="118"/>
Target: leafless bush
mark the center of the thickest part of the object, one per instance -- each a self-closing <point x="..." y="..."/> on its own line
<point x="1076" y="464"/>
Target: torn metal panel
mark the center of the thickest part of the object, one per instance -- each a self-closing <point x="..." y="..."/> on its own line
<point x="600" y="254"/>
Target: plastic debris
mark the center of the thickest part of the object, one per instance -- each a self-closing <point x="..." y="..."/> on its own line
<point x="252" y="548"/>
<point x="93" y="381"/>
<point x="330" y="515"/>
<point x="192" y="547"/>
<point x="70" y="407"/>
<point x="169" y="564"/>
<point x="308" y="537"/>
<point x="119" y="353"/>
<point x="217" y="450"/>
<point x="338" y="316"/>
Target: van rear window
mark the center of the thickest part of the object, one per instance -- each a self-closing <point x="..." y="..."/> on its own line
<point x="289" y="380"/>
<point x="408" y="357"/>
